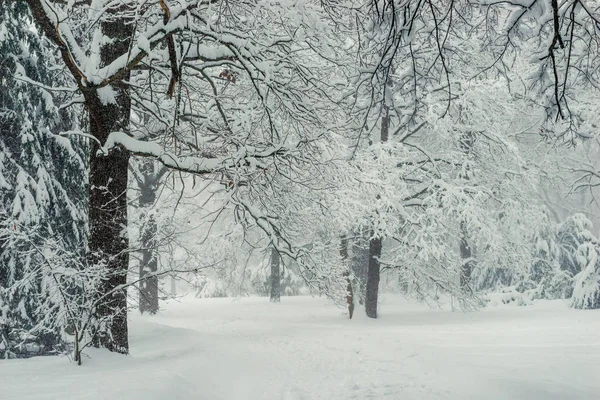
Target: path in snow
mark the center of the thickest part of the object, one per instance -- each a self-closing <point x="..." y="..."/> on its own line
<point x="305" y="349"/>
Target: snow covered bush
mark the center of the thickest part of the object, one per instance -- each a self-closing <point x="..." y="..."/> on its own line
<point x="568" y="255"/>
<point x="565" y="264"/>
<point x="573" y="233"/>
<point x="586" y="291"/>
<point x="291" y="283"/>
<point x="47" y="299"/>
<point x="206" y="287"/>
<point x="544" y="277"/>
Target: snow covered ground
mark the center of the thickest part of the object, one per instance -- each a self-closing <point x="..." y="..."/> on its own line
<point x="304" y="349"/>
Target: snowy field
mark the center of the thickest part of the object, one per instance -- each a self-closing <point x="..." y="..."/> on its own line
<point x="304" y="348"/>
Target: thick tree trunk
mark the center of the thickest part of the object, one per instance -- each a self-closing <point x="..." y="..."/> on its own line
<point x="373" y="278"/>
<point x="275" y="279"/>
<point x="346" y="275"/>
<point x="108" y="241"/>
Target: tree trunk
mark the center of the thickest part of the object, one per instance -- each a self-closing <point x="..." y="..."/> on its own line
<point x="360" y="267"/>
<point x="373" y="278"/>
<point x="275" y="279"/>
<point x="466" y="143"/>
<point x="466" y="268"/>
<point x="173" y="286"/>
<point x="148" y="178"/>
<point x="346" y="275"/>
<point x="148" y="268"/>
<point x="375" y="242"/>
<point x="108" y="241"/>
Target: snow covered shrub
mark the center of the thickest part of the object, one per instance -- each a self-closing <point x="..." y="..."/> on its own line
<point x="557" y="285"/>
<point x="545" y="252"/>
<point x="586" y="291"/>
<point x="573" y="267"/>
<point x="207" y="287"/>
<point x="51" y="305"/>
<point x="560" y="253"/>
<point x="572" y="233"/>
<point x="511" y="295"/>
<point x="291" y="283"/>
<point x="545" y="277"/>
<point x="39" y="302"/>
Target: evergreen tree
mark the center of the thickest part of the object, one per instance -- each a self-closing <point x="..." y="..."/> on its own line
<point x="40" y="183"/>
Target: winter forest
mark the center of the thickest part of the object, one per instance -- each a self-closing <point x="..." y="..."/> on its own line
<point x="299" y="199"/>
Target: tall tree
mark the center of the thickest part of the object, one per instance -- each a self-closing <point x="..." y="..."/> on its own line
<point x="238" y="93"/>
<point x="109" y="109"/>
<point x="376" y="240"/>
<point x="108" y="104"/>
<point x="40" y="186"/>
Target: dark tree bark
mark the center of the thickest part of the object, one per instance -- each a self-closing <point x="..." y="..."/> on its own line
<point x="275" y="279"/>
<point x="349" y="293"/>
<point x="373" y="278"/>
<point x="109" y="242"/>
<point x="385" y="124"/>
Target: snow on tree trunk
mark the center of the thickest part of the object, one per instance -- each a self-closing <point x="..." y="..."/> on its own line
<point x="109" y="109"/>
<point x="108" y="243"/>
<point x="275" y="279"/>
<point x="148" y="182"/>
<point x="467" y="141"/>
<point x="359" y="265"/>
<point x="466" y="268"/>
<point x="375" y="242"/>
<point x="349" y="293"/>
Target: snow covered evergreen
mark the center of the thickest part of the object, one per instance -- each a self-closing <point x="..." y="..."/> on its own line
<point x="41" y="192"/>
